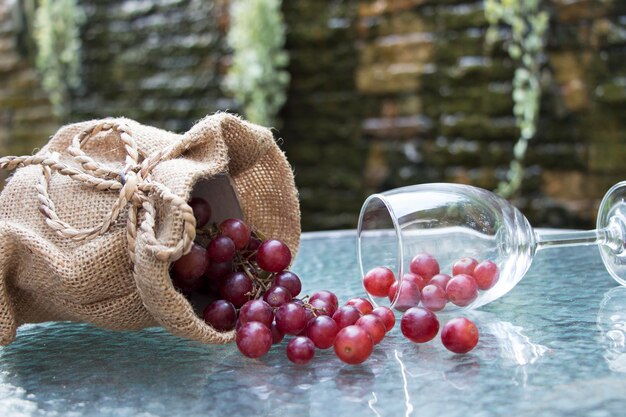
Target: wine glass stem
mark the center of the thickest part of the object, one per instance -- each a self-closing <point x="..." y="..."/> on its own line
<point x="573" y="238"/>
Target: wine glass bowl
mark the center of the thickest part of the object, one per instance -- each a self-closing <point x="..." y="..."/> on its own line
<point x="449" y="222"/>
<point x="453" y="221"/>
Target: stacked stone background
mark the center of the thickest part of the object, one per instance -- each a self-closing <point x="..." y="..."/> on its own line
<point x="384" y="93"/>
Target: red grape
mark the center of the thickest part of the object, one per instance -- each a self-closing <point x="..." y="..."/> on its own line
<point x="441" y="280"/>
<point x="291" y="318"/>
<point x="190" y="267"/>
<point x="353" y="345"/>
<point x="300" y="350"/>
<point x="486" y="275"/>
<point x="254" y="339"/>
<point x="424" y="265"/>
<point x="409" y="295"/>
<point x="378" y="280"/>
<point x="273" y="256"/>
<point x="236" y="288"/>
<point x="253" y="244"/>
<point x="217" y="270"/>
<point x="346" y="316"/>
<point x="327" y="296"/>
<point x="386" y="315"/>
<point x="434" y="297"/>
<point x="276" y="296"/>
<point x="237" y="231"/>
<point x="322" y="331"/>
<point x="464" y="266"/>
<point x="256" y="310"/>
<point x="277" y="334"/>
<point x="220" y="314"/>
<point x="201" y="211"/>
<point x="290" y="281"/>
<point x="419" y="325"/>
<point x="415" y="279"/>
<point x="374" y="326"/>
<point x="221" y="249"/>
<point x="309" y="317"/>
<point x="462" y="290"/>
<point x="459" y="335"/>
<point x="323" y="307"/>
<point x="364" y="306"/>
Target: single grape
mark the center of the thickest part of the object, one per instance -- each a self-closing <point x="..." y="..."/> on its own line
<point x="346" y="316"/>
<point x="277" y="334"/>
<point x="236" y="288"/>
<point x="364" y="306"/>
<point x="273" y="256"/>
<point x="300" y="350"/>
<point x="486" y="275"/>
<point x="256" y="310"/>
<point x="409" y="295"/>
<point x="291" y="318"/>
<point x="353" y="345"/>
<point x="440" y="280"/>
<point x="374" y="326"/>
<point x="186" y="287"/>
<point x="221" y="249"/>
<point x="464" y="266"/>
<point x="378" y="280"/>
<point x="323" y="307"/>
<point x="327" y="296"/>
<point x="322" y="331"/>
<point x="415" y="279"/>
<point x="190" y="267"/>
<point x="220" y="314"/>
<point x="424" y="265"/>
<point x="237" y="231"/>
<point x="434" y="297"/>
<point x="201" y="211"/>
<point x="419" y="325"/>
<point x="290" y="281"/>
<point x="276" y="296"/>
<point x="459" y="335"/>
<point x="309" y="316"/>
<point x="254" y="339"/>
<point x="462" y="290"/>
<point x="253" y="244"/>
<point x="217" y="270"/>
<point x="386" y="315"/>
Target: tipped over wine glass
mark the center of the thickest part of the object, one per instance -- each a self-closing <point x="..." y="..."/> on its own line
<point x="453" y="221"/>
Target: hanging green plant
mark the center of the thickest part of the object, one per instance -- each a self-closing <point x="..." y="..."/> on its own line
<point x="257" y="77"/>
<point x="56" y="31"/>
<point x="528" y="23"/>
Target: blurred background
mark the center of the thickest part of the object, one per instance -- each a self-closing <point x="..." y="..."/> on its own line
<point x="521" y="96"/>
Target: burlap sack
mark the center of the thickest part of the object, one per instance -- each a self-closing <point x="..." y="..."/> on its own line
<point x="91" y="223"/>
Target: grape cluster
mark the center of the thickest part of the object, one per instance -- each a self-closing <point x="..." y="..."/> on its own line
<point x="246" y="276"/>
<point x="425" y="290"/>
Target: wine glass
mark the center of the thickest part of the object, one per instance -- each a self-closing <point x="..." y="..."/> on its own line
<point x="452" y="221"/>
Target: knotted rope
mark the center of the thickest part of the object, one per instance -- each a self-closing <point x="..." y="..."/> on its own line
<point x="136" y="190"/>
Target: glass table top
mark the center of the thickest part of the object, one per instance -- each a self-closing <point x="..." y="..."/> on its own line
<point x="554" y="346"/>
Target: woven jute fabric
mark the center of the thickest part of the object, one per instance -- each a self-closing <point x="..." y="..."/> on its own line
<point x="91" y="223"/>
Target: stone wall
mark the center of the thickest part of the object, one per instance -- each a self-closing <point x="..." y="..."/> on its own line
<point x="411" y="85"/>
<point x="26" y="118"/>
<point x="384" y="93"/>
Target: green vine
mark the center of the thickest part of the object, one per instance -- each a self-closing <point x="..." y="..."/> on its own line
<point x="528" y="25"/>
<point x="57" y="38"/>
<point x="257" y="77"/>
